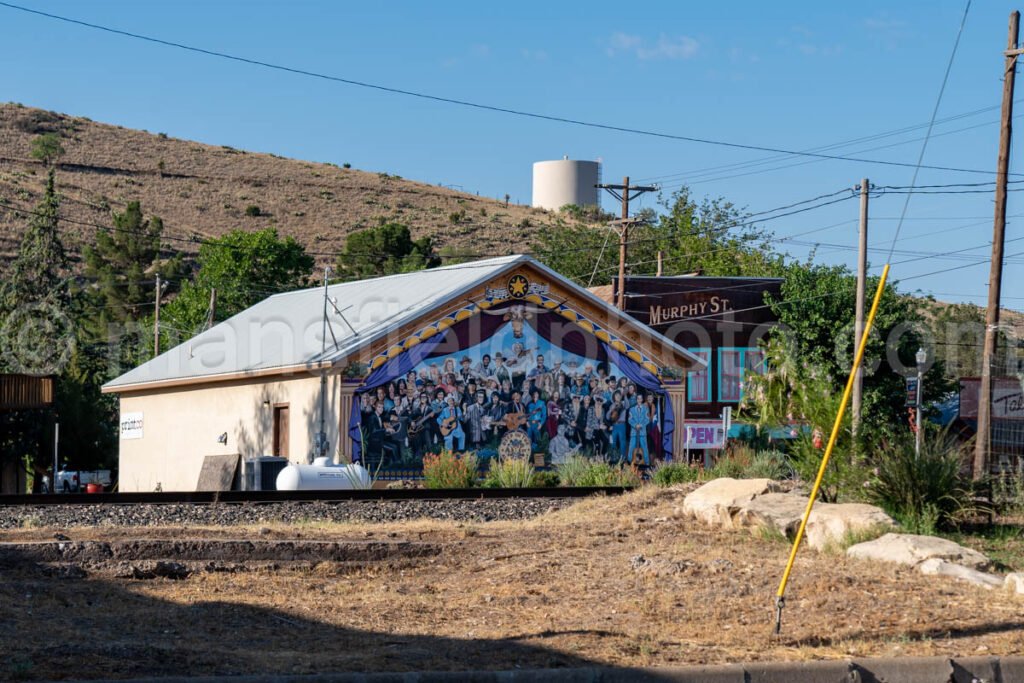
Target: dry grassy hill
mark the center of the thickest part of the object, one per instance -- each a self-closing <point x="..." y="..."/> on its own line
<point x="202" y="191"/>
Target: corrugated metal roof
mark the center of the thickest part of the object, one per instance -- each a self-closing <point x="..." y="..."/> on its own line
<point x="286" y="330"/>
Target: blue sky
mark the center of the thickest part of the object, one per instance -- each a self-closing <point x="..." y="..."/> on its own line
<point x="786" y="75"/>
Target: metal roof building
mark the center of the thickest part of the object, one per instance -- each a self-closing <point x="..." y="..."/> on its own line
<point x="271" y="378"/>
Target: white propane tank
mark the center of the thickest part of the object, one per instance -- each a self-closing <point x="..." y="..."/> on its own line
<point x="323" y="476"/>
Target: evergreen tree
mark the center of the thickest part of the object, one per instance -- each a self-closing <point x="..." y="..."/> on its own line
<point x="121" y="267"/>
<point x="385" y="250"/>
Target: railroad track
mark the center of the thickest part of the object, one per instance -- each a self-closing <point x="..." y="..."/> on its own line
<point x="265" y="497"/>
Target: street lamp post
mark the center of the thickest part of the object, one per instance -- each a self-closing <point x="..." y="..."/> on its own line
<point x="921" y="357"/>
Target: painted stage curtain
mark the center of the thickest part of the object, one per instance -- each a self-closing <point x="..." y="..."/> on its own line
<point x="643" y="377"/>
<point x="397" y="367"/>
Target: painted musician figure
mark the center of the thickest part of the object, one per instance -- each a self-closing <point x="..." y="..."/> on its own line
<point x="421" y="427"/>
<point x="538" y="416"/>
<point x="496" y="415"/>
<point x="639" y="418"/>
<point x="475" y="413"/>
<point x="450" y="424"/>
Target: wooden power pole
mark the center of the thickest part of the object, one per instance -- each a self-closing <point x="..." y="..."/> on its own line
<point x="156" y="319"/>
<point x="862" y="275"/>
<point x="982" y="445"/>
<point x="624" y="193"/>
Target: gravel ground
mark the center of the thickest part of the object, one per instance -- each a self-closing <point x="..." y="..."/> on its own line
<point x="247" y="513"/>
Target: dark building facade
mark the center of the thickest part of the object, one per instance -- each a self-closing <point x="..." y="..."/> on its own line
<point x="720" y="319"/>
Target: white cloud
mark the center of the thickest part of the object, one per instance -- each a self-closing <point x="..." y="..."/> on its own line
<point x="665" y="47"/>
<point x="534" y="55"/>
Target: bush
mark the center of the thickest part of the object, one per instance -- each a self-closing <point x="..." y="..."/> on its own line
<point x="252" y="210"/>
<point x="843" y="477"/>
<point x="671" y="473"/>
<point x="545" y="479"/>
<point x="346" y="165"/>
<point x="582" y="471"/>
<point x="506" y="473"/>
<point x="447" y="470"/>
<point x="768" y="465"/>
<point x="923" y="492"/>
<point x="573" y="470"/>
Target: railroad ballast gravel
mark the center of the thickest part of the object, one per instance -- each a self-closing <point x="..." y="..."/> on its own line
<point x="226" y="514"/>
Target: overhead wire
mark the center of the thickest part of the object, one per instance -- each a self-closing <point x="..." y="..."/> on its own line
<point x="468" y="103"/>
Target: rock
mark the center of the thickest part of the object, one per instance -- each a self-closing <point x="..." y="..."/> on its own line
<point x="780" y="512"/>
<point x="1014" y="581"/>
<point x="715" y="503"/>
<point x="830" y="523"/>
<point x="938" y="567"/>
<point x="911" y="550"/>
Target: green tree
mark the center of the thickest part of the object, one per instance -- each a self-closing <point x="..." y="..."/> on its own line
<point x="245" y="268"/>
<point x="710" y="236"/>
<point x="47" y="148"/>
<point x="816" y="311"/>
<point x="121" y="267"/>
<point x="385" y="250"/>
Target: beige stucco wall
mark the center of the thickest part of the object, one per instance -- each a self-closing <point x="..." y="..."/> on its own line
<point x="181" y="426"/>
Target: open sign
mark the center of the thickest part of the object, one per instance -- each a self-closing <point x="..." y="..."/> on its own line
<point x="705" y="434"/>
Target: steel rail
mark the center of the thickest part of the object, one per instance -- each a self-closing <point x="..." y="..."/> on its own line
<point x="268" y="497"/>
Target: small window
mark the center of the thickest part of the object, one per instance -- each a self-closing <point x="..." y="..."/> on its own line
<point x="730" y="375"/>
<point x="733" y="366"/>
<point x="698" y="386"/>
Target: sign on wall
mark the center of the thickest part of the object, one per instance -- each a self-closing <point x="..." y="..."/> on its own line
<point x="705" y="434"/>
<point x="131" y="425"/>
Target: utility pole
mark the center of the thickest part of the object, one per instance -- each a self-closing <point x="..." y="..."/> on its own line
<point x="212" y="315"/>
<point x="156" y="319"/>
<point x="624" y="193"/>
<point x="982" y="444"/>
<point x="661" y="257"/>
<point x="862" y="275"/>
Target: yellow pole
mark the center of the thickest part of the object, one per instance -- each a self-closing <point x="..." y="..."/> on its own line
<point x="780" y="595"/>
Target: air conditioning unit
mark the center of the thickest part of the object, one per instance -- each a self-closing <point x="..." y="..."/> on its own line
<point x="261" y="473"/>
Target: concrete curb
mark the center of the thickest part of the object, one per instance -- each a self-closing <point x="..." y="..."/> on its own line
<point x="883" y="670"/>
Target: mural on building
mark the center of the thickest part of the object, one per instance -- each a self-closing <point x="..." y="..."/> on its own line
<point x="513" y="367"/>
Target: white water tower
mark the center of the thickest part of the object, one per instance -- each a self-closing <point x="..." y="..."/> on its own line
<point x="565" y="181"/>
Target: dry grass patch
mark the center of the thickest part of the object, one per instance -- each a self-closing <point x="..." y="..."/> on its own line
<point x="617" y="581"/>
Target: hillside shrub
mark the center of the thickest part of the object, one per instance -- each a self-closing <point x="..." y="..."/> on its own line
<point x="671" y="473"/>
<point x="252" y="210"/>
<point x="508" y="473"/>
<point x="448" y="470"/>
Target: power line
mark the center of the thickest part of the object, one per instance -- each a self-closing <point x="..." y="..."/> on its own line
<point x="931" y="124"/>
<point x="707" y="170"/>
<point x="471" y="104"/>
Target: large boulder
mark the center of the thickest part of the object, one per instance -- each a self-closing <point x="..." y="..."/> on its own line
<point x="779" y="512"/>
<point x="1014" y="582"/>
<point x="830" y="523"/>
<point x="939" y="567"/>
<point x="912" y="550"/>
<point x="715" y="502"/>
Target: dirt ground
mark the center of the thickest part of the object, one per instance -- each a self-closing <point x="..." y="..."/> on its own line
<point x="623" y="581"/>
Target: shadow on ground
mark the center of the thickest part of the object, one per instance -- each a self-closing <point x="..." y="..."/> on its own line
<point x="54" y="627"/>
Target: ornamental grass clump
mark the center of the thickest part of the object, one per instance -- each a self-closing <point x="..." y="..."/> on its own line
<point x="583" y="471"/>
<point x="923" y="492"/>
<point x="448" y="470"/>
<point x="671" y="473"/>
<point x="507" y="473"/>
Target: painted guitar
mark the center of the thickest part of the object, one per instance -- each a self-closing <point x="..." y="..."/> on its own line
<point x="417" y="426"/>
<point x="449" y="425"/>
<point x="514" y="420"/>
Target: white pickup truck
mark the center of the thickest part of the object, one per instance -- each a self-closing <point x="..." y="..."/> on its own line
<point x="73" y="481"/>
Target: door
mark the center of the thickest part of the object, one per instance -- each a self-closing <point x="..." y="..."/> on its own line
<point x="281" y="431"/>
